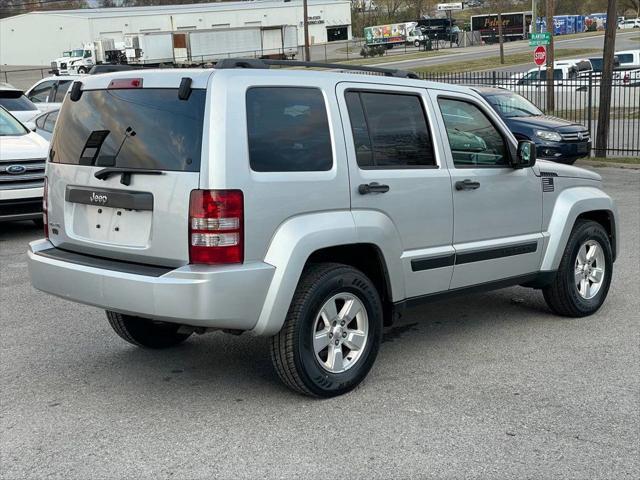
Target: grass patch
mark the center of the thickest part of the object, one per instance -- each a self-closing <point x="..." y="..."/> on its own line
<point x="606" y="160"/>
<point x="489" y="63"/>
<point x="399" y="57"/>
<point x="581" y="115"/>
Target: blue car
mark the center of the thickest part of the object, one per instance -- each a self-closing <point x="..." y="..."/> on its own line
<point x="556" y="139"/>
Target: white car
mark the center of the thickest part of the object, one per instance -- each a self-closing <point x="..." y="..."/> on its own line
<point x="629" y="59"/>
<point x="49" y="92"/>
<point x="15" y="102"/>
<point x="629" y="23"/>
<point x="44" y="124"/>
<point x="23" y="155"/>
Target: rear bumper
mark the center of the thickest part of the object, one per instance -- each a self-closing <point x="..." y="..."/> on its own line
<point x="216" y="297"/>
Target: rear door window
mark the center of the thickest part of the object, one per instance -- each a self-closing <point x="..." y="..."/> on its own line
<point x="288" y="130"/>
<point x="61" y="91"/>
<point x="147" y="128"/>
<point x="389" y="130"/>
<point x="50" y="122"/>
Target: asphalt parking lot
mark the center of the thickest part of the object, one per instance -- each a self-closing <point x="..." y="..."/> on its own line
<point x="489" y="386"/>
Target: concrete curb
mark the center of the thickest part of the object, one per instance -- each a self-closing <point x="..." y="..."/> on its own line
<point x="600" y="164"/>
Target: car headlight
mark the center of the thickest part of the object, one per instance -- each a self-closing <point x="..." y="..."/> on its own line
<point x="549" y="136"/>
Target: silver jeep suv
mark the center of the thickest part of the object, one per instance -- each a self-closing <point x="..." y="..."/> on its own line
<point x="309" y="206"/>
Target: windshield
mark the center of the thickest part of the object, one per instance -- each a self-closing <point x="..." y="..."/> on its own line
<point x="511" y="105"/>
<point x="15" y="101"/>
<point x="9" y="125"/>
<point x="66" y="54"/>
<point x="77" y="53"/>
<point x="139" y="128"/>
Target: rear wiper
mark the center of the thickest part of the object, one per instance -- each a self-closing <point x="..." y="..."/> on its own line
<point x="125" y="179"/>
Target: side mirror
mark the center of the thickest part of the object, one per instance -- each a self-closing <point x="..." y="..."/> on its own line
<point x="525" y="155"/>
<point x="30" y="125"/>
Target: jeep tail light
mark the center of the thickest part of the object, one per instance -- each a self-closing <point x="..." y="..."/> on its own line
<point x="216" y="226"/>
<point x="45" y="206"/>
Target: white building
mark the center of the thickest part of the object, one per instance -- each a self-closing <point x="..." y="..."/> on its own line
<point x="38" y="37"/>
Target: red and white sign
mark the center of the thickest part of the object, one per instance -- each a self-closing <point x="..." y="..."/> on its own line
<point x="540" y="55"/>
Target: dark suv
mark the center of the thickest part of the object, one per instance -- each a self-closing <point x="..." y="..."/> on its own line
<point x="556" y="139"/>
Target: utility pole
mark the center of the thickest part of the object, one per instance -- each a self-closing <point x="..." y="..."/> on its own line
<point x="305" y="14"/>
<point x="606" y="84"/>
<point x="550" y="83"/>
<point x="501" y="40"/>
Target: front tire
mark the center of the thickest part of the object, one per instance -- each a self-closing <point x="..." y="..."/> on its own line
<point x="82" y="70"/>
<point x="584" y="276"/>
<point x="146" y="333"/>
<point x="332" y="333"/>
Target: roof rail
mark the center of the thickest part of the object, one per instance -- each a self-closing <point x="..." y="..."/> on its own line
<point x="228" y="63"/>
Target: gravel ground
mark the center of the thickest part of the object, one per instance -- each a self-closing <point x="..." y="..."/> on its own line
<point x="489" y="386"/>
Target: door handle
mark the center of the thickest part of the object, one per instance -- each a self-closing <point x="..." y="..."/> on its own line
<point x="373" y="187"/>
<point x="467" y="185"/>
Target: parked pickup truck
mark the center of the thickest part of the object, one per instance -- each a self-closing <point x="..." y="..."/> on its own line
<point x="311" y="207"/>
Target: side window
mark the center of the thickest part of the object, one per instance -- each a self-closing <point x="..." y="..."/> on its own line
<point x="63" y="86"/>
<point x="288" y="130"/>
<point x="50" y="122"/>
<point x="42" y="92"/>
<point x="389" y="130"/>
<point x="40" y="121"/>
<point x="625" y="58"/>
<point x="474" y="140"/>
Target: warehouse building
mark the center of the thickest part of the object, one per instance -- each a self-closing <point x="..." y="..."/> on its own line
<point x="38" y="37"/>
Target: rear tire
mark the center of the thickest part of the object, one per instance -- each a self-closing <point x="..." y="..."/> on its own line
<point x="332" y="333"/>
<point x="584" y="276"/>
<point x="146" y="333"/>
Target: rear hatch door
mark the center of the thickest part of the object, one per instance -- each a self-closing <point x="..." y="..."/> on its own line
<point x="124" y="159"/>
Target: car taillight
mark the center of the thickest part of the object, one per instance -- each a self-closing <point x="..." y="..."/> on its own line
<point x="216" y="226"/>
<point x="45" y="206"/>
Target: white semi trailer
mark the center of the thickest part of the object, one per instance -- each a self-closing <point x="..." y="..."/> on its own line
<point x="201" y="46"/>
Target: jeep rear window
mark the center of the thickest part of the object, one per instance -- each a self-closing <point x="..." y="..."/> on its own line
<point x="149" y="129"/>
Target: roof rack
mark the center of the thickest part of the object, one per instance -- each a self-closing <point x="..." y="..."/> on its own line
<point x="228" y="63"/>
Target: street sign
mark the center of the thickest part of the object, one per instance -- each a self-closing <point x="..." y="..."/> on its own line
<point x="444" y="7"/>
<point x="537" y="39"/>
<point x="540" y="55"/>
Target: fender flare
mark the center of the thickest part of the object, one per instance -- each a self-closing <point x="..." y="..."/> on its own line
<point x="569" y="205"/>
<point x="292" y="244"/>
